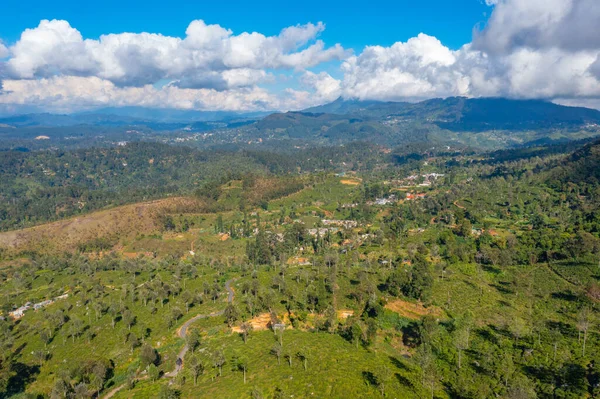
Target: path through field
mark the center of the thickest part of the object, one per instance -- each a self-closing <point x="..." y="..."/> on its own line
<point x="182" y="332"/>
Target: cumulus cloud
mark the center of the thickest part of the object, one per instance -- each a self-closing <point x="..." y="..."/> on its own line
<point x="566" y="24"/>
<point x="59" y="93"/>
<point x="324" y="88"/>
<point x="535" y="49"/>
<point x="209" y="55"/>
<point x="546" y="49"/>
<point x="422" y="67"/>
<point x="3" y="50"/>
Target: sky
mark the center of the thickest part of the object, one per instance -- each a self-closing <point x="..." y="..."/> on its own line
<point x="68" y="56"/>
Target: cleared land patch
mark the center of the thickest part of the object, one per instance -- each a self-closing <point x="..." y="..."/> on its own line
<point x="412" y="310"/>
<point x="124" y="221"/>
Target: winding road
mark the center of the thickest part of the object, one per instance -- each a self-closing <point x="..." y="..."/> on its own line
<point x="181" y="333"/>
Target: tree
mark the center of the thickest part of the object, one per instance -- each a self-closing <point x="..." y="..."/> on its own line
<point x="277" y="351"/>
<point x="40" y="356"/>
<point x="196" y="367"/>
<point x="133" y="341"/>
<point x="46" y="337"/>
<point x="241" y="364"/>
<point x="193" y="339"/>
<point x="167" y="392"/>
<point x="115" y="312"/>
<point x="188" y="299"/>
<point x="176" y="314"/>
<point x="128" y="318"/>
<point x="383" y="377"/>
<point x="75" y="328"/>
<point x="584" y="321"/>
<point x="461" y="342"/>
<point x="556" y="337"/>
<point x="148" y="356"/>
<point x="81" y="391"/>
<point x="60" y="389"/>
<point x="218" y="359"/>
<point x="246" y="328"/>
<point x="231" y="314"/>
<point x="303" y="356"/>
<point x="153" y="372"/>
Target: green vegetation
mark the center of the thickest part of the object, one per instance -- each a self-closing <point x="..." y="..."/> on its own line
<point x="413" y="274"/>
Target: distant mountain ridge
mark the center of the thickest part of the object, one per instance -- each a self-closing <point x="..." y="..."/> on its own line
<point x="461" y="113"/>
<point x="454" y="121"/>
<point x="480" y="123"/>
<point x="127" y="116"/>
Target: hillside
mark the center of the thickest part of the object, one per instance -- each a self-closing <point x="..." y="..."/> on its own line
<point x="481" y="123"/>
<point x="455" y="121"/>
<point x="403" y="279"/>
<point x="470" y="114"/>
<point x="99" y="230"/>
<point x="583" y="166"/>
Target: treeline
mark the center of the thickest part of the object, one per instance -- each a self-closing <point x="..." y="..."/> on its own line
<point x="48" y="185"/>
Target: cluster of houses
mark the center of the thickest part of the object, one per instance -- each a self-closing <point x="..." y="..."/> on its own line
<point x="427" y="178"/>
<point x="20" y="312"/>
<point x="321" y="231"/>
<point x="415" y="196"/>
<point x="384" y="201"/>
<point x="347" y="224"/>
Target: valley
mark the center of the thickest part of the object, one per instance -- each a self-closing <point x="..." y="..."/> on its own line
<point x="446" y="274"/>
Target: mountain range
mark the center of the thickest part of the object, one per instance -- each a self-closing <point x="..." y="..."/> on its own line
<point x="459" y="121"/>
<point x="120" y="116"/>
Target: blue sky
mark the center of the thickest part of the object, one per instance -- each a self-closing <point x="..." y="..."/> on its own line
<point x="352" y="23"/>
<point x="63" y="56"/>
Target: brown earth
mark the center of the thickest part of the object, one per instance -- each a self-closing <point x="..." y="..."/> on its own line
<point x="344" y="314"/>
<point x="120" y="222"/>
<point x="259" y="323"/>
<point x="412" y="310"/>
<point x="349" y="182"/>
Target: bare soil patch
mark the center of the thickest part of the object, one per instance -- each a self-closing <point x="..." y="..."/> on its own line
<point x="349" y="182"/>
<point x="259" y="323"/>
<point x="122" y="222"/>
<point x="412" y="310"/>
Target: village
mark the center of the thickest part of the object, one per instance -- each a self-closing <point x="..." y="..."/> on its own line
<point x="20" y="311"/>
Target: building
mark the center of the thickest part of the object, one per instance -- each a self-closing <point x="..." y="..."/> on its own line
<point x="42" y="304"/>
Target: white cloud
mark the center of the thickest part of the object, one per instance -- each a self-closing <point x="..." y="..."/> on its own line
<point x="324" y="88"/>
<point x="64" y="93"/>
<point x="567" y="24"/>
<point x="3" y="50"/>
<point x="59" y="93"/>
<point x="528" y="49"/>
<point x="209" y="56"/>
<point x="420" y="68"/>
<point x="407" y="71"/>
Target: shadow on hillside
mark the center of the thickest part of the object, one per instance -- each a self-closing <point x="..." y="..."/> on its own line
<point x="23" y="375"/>
<point x="398" y="363"/>
<point x="503" y="289"/>
<point x="404" y="381"/>
<point x="369" y="378"/>
<point x="565" y="296"/>
<point x="491" y="269"/>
